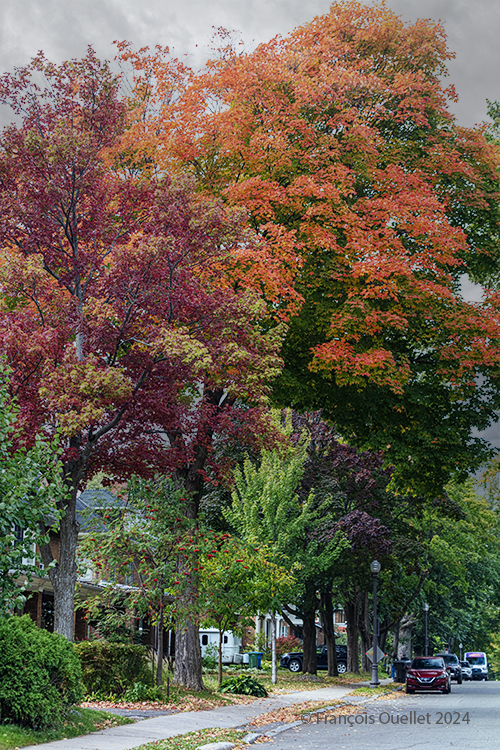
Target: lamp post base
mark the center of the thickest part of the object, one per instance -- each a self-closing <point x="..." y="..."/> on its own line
<point x="375" y="682"/>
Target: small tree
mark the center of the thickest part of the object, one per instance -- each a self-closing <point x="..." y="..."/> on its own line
<point x="138" y="540"/>
<point x="238" y="582"/>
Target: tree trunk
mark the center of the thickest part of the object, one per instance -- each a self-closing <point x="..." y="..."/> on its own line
<point x="406" y="626"/>
<point x="159" y="649"/>
<point x="365" y="630"/>
<point x="326" y="612"/>
<point x="188" y="670"/>
<point x="309" y="645"/>
<point x="221" y="635"/>
<point x="382" y="639"/>
<point x="63" y="575"/>
<point x="351" y="614"/>
<point x="274" y="677"/>
<point x="188" y="663"/>
<point x="395" y="641"/>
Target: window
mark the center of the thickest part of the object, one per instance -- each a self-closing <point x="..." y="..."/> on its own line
<point x="204" y="639"/>
<point x="129" y="575"/>
<point x="225" y="639"/>
<point x="18" y="534"/>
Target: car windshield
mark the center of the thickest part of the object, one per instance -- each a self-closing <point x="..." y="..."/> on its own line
<point x="427" y="664"/>
<point x="449" y="658"/>
<point x="476" y="660"/>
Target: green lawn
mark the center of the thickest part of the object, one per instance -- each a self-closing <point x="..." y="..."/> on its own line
<point x="80" y="721"/>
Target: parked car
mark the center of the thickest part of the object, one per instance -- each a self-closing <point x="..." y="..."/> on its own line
<point x="466" y="670"/>
<point x="428" y="673"/>
<point x="453" y="666"/>
<point x="293" y="661"/>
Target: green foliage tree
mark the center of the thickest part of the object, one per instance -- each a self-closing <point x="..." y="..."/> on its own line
<point x="237" y="582"/>
<point x="30" y="482"/>
<point x="267" y="509"/>
<point x="463" y="557"/>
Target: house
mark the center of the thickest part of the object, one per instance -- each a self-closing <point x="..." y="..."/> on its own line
<point x="39" y="604"/>
<point x="292" y="626"/>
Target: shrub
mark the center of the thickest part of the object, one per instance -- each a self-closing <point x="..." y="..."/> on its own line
<point x="211" y="657"/>
<point x="244" y="685"/>
<point x="139" y="692"/>
<point x="112" y="668"/>
<point x="40" y="674"/>
<point x="286" y="644"/>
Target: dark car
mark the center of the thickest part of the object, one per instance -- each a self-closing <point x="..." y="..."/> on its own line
<point x="293" y="662"/>
<point x="453" y="666"/>
<point x="428" y="673"/>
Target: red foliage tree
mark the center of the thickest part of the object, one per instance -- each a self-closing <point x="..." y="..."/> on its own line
<point x="118" y="316"/>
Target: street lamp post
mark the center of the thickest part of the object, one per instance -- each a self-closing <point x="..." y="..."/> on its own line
<point x="426" y="648"/>
<point x="375" y="568"/>
<point x="460" y="645"/>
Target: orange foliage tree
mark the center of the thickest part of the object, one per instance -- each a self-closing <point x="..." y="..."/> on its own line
<point x="371" y="203"/>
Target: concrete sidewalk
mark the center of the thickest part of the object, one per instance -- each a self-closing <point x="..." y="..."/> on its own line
<point x="162" y="727"/>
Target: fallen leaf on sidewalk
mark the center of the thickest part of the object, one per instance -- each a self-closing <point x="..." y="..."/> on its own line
<point x="288" y="714"/>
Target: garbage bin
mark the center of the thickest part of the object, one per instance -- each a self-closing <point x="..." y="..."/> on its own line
<point x="400" y="670"/>
<point x="259" y="660"/>
<point x="253" y="659"/>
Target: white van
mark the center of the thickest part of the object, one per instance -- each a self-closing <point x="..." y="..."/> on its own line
<point x="479" y="664"/>
<point x="230" y="644"/>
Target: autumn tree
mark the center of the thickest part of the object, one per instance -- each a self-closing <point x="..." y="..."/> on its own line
<point x="372" y="203"/>
<point x="118" y="317"/>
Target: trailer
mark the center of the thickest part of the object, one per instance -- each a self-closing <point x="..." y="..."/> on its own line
<point x="209" y="637"/>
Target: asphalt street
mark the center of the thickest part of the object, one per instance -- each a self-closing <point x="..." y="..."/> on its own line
<point x="469" y="717"/>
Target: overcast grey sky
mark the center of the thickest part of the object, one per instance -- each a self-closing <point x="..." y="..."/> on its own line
<point x="64" y="28"/>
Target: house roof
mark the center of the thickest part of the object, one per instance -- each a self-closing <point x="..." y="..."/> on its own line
<point x="90" y="502"/>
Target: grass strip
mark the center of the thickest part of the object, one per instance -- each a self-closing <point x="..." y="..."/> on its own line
<point x="79" y="721"/>
<point x="192" y="740"/>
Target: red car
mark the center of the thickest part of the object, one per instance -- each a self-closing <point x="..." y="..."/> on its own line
<point x="428" y="673"/>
